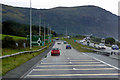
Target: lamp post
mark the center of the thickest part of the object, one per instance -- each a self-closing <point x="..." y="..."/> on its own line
<point x="44" y="33"/>
<point x="66" y="31"/>
<point x="48" y="30"/>
<point x="48" y="34"/>
<point x="39" y="25"/>
<point x="30" y="26"/>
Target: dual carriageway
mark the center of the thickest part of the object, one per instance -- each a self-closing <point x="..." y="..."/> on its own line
<point x="74" y="64"/>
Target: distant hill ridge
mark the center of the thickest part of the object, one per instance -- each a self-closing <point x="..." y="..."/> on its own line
<point x="78" y="20"/>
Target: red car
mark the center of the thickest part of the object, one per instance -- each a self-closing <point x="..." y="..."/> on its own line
<point x="55" y="51"/>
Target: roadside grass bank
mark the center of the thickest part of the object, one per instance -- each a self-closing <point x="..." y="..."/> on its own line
<point x="15" y="61"/>
<point x="78" y="46"/>
<point x="2" y="36"/>
<point x="6" y="51"/>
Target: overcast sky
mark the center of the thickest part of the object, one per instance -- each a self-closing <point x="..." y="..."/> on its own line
<point x="110" y="5"/>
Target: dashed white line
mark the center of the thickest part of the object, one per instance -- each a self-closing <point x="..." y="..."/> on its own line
<point x="74" y="69"/>
<point x="67" y="58"/>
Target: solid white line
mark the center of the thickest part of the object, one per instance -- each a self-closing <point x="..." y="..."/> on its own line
<point x="105" y="74"/>
<point x="31" y="69"/>
<point x="102" y="61"/>
<point x="28" y="73"/>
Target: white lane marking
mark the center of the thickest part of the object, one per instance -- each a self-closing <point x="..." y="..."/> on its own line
<point x="102" y="61"/>
<point x="87" y="69"/>
<point x="28" y="73"/>
<point x="74" y="69"/>
<point x="72" y="62"/>
<point x="86" y="62"/>
<point x="82" y="60"/>
<point x="31" y="69"/>
<point x="104" y="74"/>
<point x="68" y="65"/>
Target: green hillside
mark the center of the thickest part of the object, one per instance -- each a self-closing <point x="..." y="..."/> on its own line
<point x="78" y="20"/>
<point x="14" y="37"/>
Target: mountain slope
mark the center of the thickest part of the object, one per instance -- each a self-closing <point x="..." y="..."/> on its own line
<point x="78" y="20"/>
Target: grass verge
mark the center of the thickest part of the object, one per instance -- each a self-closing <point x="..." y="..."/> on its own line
<point x="6" y="51"/>
<point x="78" y="46"/>
<point x="15" y="61"/>
<point x="2" y="36"/>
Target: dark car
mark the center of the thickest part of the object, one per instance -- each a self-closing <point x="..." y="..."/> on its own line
<point x="115" y="47"/>
<point x="57" y="38"/>
<point x="59" y="43"/>
<point x="65" y="42"/>
<point x="55" y="51"/>
<point x="68" y="47"/>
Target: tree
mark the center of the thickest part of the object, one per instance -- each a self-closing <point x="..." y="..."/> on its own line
<point x="18" y="29"/>
<point x="7" y="28"/>
<point x="110" y="40"/>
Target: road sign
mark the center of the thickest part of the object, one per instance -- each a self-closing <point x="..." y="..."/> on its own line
<point x="74" y="40"/>
<point x="38" y="40"/>
<point x="48" y="38"/>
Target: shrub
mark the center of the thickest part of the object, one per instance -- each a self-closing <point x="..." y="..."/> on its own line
<point x="110" y="41"/>
<point x="8" y="42"/>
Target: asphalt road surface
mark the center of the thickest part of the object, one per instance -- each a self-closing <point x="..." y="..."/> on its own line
<point x="74" y="64"/>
